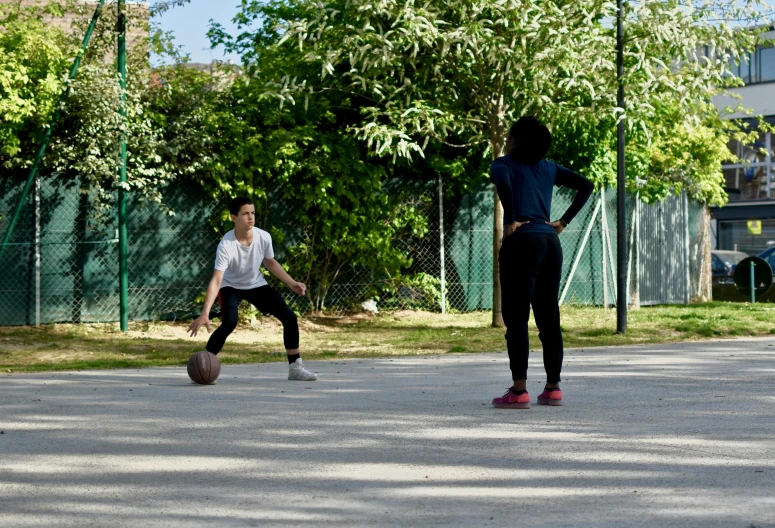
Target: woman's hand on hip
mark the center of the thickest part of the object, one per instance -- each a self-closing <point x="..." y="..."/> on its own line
<point x="558" y="226"/>
<point x="509" y="229"/>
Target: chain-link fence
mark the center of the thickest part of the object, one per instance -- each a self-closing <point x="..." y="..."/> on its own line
<point x="62" y="266"/>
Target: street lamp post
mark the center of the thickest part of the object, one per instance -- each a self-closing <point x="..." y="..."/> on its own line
<point x="621" y="196"/>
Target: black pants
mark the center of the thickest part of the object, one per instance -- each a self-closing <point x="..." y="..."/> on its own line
<point x="530" y="270"/>
<point x="266" y="300"/>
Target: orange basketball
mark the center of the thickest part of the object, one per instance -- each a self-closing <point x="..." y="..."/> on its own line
<point x="204" y="368"/>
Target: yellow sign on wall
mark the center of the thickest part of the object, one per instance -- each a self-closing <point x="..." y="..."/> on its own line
<point x="755" y="227"/>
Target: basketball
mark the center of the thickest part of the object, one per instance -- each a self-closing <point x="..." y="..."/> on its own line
<point x="204" y="368"/>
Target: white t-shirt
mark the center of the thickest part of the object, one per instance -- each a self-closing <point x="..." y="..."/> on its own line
<point x="240" y="264"/>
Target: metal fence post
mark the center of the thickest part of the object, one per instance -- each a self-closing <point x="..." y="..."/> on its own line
<point x="629" y="256"/>
<point x="687" y="250"/>
<point x="753" y="283"/>
<point x="768" y="161"/>
<point x="441" y="249"/>
<point x="603" y="226"/>
<point x="611" y="261"/>
<point x="122" y="213"/>
<point x="37" y="251"/>
<point x="638" y="243"/>
<point x="584" y="240"/>
<point x="664" y="257"/>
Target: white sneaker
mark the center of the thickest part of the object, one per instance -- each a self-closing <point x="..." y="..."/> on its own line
<point x="297" y="372"/>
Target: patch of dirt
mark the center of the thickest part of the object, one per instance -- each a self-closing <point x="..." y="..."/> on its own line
<point x="412" y="313"/>
<point x="265" y="331"/>
<point x="60" y="355"/>
<point x="342" y="318"/>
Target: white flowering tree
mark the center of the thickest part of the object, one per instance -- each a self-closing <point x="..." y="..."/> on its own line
<point x="461" y="71"/>
<point x="456" y="71"/>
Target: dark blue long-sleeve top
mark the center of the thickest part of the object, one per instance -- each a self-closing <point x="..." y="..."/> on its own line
<point x="526" y="191"/>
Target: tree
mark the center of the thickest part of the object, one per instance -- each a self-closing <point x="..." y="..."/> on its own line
<point x="164" y="141"/>
<point x="434" y="71"/>
<point x="165" y="109"/>
<point x="315" y="188"/>
<point x="470" y="67"/>
<point x="33" y="57"/>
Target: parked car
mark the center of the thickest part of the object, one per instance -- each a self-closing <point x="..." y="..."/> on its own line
<point x="723" y="264"/>
<point x="769" y="256"/>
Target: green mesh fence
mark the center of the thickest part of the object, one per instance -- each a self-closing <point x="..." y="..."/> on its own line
<point x="171" y="257"/>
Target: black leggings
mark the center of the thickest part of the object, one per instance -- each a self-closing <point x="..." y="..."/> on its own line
<point x="265" y="299"/>
<point x="530" y="271"/>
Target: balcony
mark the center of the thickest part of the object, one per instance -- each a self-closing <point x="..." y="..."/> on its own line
<point x="754" y="179"/>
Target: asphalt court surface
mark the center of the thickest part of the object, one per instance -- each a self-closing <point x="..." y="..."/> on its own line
<point x="658" y="435"/>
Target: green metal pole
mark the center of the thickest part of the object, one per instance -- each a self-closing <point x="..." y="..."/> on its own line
<point x="621" y="183"/>
<point x="753" y="284"/>
<point x="50" y="130"/>
<point x="122" y="231"/>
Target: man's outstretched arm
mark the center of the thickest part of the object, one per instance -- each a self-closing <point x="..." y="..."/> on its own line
<point x="277" y="270"/>
<point x="212" y="293"/>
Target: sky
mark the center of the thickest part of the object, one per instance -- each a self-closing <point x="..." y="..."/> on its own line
<point x="190" y="23"/>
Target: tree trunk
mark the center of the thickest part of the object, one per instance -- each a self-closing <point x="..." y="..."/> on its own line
<point x="704" y="291"/>
<point x="497" y="236"/>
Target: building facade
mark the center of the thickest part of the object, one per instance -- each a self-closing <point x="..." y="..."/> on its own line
<point x="137" y="30"/>
<point x="747" y="222"/>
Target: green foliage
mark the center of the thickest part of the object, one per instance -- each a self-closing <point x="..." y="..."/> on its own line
<point x="450" y="68"/>
<point x="165" y="108"/>
<point x="33" y="58"/>
<point x="460" y="71"/>
<point x="336" y="210"/>
<point x="413" y="292"/>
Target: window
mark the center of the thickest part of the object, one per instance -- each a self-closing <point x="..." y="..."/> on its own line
<point x="752" y="176"/>
<point x="732" y="178"/>
<point x="767" y="64"/>
<point x="734" y="67"/>
<point x="734" y="235"/>
<point x="744" y="69"/>
<point x="736" y="147"/>
<point x="756" y="67"/>
<point x="770" y="183"/>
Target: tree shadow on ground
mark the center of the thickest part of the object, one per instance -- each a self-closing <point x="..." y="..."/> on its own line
<point x="649" y="436"/>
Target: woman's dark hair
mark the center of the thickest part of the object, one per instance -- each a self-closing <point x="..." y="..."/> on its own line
<point x="532" y="140"/>
<point x="236" y="204"/>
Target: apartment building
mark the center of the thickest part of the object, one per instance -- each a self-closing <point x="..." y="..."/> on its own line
<point x="747" y="222"/>
<point x="136" y="32"/>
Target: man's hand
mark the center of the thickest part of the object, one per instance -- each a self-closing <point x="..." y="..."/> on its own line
<point x="508" y="229"/>
<point x="199" y="322"/>
<point x="299" y="288"/>
<point x="557" y="225"/>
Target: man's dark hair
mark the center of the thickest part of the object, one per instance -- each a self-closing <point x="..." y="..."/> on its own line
<point x="236" y="204"/>
<point x="532" y="140"/>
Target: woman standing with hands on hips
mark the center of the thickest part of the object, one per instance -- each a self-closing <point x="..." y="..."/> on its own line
<point x="530" y="257"/>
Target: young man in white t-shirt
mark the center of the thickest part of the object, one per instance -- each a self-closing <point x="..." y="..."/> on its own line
<point x="237" y="276"/>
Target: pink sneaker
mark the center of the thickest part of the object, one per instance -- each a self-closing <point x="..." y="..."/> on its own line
<point x="553" y="397"/>
<point x="511" y="400"/>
